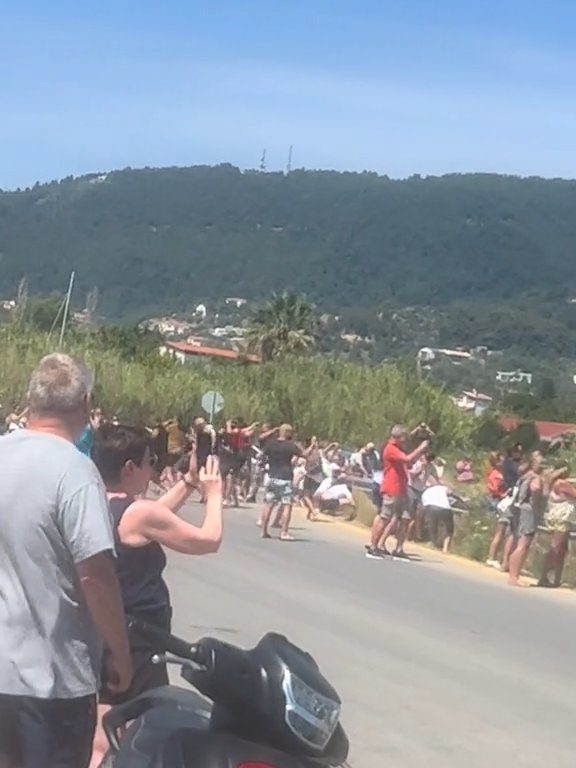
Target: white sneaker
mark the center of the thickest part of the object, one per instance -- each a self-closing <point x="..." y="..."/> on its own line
<point x="493" y="564"/>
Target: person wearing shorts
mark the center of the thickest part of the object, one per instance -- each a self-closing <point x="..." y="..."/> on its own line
<point x="527" y="515"/>
<point x="279" y="492"/>
<point x="281" y="452"/>
<point x="559" y="520"/>
<point x="394" y="516"/>
<point x="236" y="440"/>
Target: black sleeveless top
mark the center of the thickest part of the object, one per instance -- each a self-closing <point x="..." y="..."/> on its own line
<point x="203" y="448"/>
<point x="139" y="569"/>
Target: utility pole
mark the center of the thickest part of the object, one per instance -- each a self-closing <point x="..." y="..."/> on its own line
<point x="66" y="307"/>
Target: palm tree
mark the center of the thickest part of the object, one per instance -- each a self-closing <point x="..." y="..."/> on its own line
<point x="285" y="325"/>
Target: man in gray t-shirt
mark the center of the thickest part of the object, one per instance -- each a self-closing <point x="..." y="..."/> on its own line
<point x="59" y="597"/>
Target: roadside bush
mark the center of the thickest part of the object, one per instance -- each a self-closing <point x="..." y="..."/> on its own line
<point x="336" y="400"/>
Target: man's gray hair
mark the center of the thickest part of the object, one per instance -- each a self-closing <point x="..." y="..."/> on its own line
<point x="398" y="431"/>
<point x="59" y="385"/>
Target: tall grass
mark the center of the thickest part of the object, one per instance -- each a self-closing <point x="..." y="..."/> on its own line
<point x="334" y="399"/>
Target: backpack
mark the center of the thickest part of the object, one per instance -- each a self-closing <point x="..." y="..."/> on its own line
<point x="509" y="503"/>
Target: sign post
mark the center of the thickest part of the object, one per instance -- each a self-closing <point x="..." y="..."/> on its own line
<point x="212" y="403"/>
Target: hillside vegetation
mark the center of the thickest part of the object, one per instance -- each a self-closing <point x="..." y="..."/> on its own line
<point x="333" y="399"/>
<point x="151" y="239"/>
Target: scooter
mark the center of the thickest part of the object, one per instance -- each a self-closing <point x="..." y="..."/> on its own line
<point x="267" y="707"/>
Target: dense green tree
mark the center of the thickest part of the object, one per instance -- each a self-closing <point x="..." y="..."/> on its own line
<point x="128" y="342"/>
<point x="155" y="238"/>
<point x="285" y="325"/>
<point x="472" y="259"/>
<point x="41" y="312"/>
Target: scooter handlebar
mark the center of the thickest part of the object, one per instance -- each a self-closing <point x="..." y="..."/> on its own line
<point x="162" y="641"/>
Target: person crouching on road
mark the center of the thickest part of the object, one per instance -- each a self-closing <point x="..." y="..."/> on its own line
<point x="394" y="517"/>
<point x="437" y="502"/>
<point x="142" y="528"/>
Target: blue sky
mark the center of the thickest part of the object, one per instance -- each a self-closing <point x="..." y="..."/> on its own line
<point x="403" y="87"/>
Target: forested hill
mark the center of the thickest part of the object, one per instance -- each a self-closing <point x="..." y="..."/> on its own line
<point x="163" y="238"/>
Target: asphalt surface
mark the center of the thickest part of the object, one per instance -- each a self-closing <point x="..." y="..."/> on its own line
<point x="438" y="665"/>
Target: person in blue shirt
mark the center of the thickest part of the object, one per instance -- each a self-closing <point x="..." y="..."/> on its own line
<point x="85" y="443"/>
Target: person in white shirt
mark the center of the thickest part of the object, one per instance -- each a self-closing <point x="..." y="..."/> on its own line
<point x="333" y="492"/>
<point x="437" y="505"/>
<point x="357" y="463"/>
<point x="421" y="474"/>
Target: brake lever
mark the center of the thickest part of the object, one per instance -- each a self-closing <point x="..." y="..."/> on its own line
<point x="178" y="661"/>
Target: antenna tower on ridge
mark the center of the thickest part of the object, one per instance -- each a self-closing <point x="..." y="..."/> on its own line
<point x="263" y="162"/>
<point x="289" y="166"/>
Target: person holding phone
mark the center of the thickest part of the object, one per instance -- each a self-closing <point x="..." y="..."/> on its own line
<point x="142" y="528"/>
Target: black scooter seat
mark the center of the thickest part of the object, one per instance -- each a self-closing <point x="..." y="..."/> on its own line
<point x="159" y="718"/>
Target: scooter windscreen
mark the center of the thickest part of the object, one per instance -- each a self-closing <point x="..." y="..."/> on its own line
<point x="273" y="693"/>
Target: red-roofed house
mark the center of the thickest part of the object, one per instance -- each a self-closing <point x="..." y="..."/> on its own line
<point x="548" y="431"/>
<point x="185" y="353"/>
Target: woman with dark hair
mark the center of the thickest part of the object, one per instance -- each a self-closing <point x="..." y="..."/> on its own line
<point x="559" y="518"/>
<point x="142" y="527"/>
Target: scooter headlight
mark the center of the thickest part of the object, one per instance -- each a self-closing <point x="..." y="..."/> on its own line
<point x="311" y="717"/>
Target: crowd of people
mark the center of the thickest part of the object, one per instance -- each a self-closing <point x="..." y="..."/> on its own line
<point x="261" y="460"/>
<point x="409" y="493"/>
<point x="525" y="493"/>
<point x="83" y="545"/>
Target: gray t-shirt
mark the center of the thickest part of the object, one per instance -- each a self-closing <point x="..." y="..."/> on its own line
<point x="53" y="514"/>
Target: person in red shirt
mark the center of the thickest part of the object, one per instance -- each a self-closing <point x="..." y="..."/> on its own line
<point x="496" y="488"/>
<point x="394" y="516"/>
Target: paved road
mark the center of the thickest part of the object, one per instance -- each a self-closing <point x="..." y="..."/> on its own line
<point x="437" y="665"/>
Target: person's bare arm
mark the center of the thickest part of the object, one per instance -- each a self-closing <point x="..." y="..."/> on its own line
<point x="150" y="521"/>
<point x="268" y="433"/>
<point x="566" y="488"/>
<point x="536" y="486"/>
<point x="422" y="448"/>
<point x="249" y="431"/>
<point x="313" y="445"/>
<point x="101" y="591"/>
